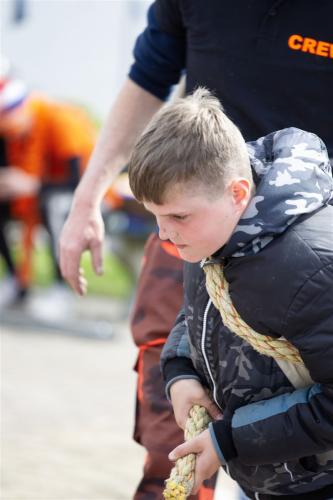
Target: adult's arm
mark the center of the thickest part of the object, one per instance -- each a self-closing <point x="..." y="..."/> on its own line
<point x="159" y="61"/>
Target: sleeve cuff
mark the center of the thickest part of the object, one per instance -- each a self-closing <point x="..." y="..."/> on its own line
<point x="138" y="76"/>
<point x="159" y="59"/>
<point x="224" y="441"/>
<point x="178" y="366"/>
<point x="216" y="445"/>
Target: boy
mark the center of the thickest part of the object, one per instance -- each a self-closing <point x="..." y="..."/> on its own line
<point x="260" y="214"/>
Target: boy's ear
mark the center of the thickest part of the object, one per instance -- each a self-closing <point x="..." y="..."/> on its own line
<point x="240" y="190"/>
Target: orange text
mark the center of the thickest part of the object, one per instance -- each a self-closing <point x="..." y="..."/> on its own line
<point x="310" y="45"/>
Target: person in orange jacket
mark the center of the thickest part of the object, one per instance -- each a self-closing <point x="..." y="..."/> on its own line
<point x="44" y="147"/>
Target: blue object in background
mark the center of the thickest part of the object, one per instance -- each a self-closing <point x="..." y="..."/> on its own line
<point x="20" y="10"/>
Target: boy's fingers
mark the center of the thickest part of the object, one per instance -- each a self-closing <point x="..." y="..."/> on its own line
<point x="184" y="449"/>
<point x="197" y="484"/>
<point x="211" y="407"/>
<point x="213" y="410"/>
<point x="182" y="416"/>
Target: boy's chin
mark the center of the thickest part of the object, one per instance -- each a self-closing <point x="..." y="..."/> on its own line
<point x="190" y="256"/>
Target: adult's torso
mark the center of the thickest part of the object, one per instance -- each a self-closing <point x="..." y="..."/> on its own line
<point x="267" y="78"/>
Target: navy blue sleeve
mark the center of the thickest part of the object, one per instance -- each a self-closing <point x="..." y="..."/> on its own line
<point x="169" y="15"/>
<point x="159" y="58"/>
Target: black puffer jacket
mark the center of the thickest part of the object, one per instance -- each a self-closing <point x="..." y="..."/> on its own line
<point x="279" y="266"/>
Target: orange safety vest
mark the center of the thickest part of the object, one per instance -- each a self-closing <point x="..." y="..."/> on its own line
<point x="58" y="132"/>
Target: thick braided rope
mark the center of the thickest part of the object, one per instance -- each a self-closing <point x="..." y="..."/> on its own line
<point x="181" y="480"/>
<point x="218" y="290"/>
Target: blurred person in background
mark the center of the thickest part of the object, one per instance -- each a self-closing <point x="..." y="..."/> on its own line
<point x="44" y="147"/>
<point x="270" y="64"/>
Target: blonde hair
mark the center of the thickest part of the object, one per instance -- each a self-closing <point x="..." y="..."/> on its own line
<point x="189" y="141"/>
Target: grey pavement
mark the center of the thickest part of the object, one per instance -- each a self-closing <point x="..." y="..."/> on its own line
<point x="67" y="416"/>
<point x="67" y="412"/>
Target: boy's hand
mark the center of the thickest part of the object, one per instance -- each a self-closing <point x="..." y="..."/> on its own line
<point x="187" y="392"/>
<point x="207" y="461"/>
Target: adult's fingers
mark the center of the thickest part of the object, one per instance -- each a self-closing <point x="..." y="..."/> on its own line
<point x="97" y="256"/>
<point x="83" y="284"/>
<point x="69" y="260"/>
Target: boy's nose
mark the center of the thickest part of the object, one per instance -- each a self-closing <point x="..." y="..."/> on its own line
<point x="166" y="230"/>
<point x="162" y="232"/>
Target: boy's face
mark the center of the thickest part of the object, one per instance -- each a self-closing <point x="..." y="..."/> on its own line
<point x="199" y="224"/>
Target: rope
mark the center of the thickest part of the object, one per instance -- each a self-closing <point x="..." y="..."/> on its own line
<point x="218" y="290"/>
<point x="181" y="480"/>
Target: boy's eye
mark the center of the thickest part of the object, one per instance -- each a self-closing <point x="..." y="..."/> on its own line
<point x="179" y="217"/>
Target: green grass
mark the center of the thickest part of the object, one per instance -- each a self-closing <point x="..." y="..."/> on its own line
<point x="116" y="280"/>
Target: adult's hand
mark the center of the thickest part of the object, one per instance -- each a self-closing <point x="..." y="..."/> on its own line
<point x="184" y="394"/>
<point x="83" y="230"/>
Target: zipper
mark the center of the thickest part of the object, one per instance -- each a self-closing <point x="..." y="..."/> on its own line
<point x="203" y="339"/>
<point x="289" y="471"/>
